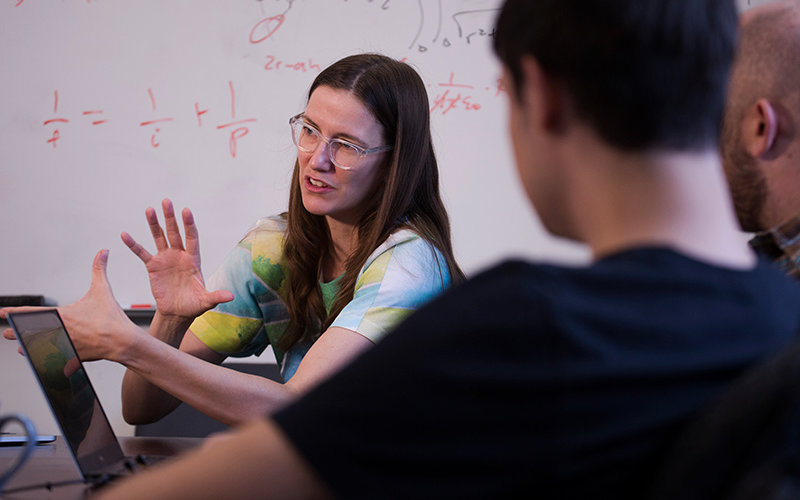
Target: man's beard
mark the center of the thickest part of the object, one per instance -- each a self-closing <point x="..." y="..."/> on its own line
<point x="747" y="185"/>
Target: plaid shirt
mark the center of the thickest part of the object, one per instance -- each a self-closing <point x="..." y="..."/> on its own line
<point x="781" y="244"/>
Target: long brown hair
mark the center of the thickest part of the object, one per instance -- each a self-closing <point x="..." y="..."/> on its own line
<point x="395" y="95"/>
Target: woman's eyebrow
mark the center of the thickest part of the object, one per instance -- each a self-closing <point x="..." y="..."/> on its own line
<point x="342" y="135"/>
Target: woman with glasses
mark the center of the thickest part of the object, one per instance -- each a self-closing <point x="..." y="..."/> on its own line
<point x="364" y="242"/>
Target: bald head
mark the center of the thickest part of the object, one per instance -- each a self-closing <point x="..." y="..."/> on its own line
<point x="759" y="134"/>
<point x="768" y="61"/>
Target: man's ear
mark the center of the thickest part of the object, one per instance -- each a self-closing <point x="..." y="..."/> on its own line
<point x="759" y="128"/>
<point x="543" y="97"/>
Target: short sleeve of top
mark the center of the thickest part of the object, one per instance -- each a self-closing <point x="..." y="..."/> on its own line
<point x="399" y="276"/>
<point x="255" y="272"/>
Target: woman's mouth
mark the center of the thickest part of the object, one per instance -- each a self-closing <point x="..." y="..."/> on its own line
<point x="316" y="185"/>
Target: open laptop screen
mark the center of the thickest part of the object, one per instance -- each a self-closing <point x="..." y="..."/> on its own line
<point x="67" y="389"/>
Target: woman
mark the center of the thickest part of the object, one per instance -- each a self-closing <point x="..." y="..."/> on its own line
<point x="365" y="241"/>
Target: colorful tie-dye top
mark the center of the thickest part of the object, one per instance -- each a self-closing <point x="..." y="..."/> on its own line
<point x="403" y="273"/>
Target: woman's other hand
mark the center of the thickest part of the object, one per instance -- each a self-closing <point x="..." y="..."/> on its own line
<point x="97" y="325"/>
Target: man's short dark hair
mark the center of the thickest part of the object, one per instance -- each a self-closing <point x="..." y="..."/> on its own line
<point x="644" y="73"/>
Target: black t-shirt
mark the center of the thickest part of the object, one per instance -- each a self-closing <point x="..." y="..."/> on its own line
<point x="542" y="381"/>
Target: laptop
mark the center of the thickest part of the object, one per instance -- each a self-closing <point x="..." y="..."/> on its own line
<point x="73" y="401"/>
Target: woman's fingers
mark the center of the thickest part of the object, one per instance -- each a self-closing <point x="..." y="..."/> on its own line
<point x="155" y="228"/>
<point x="99" y="276"/>
<point x="171" y="223"/>
<point x="71" y="367"/>
<point x="192" y="236"/>
<point x="19" y="309"/>
<point x="136" y="248"/>
<point x="170" y="236"/>
<point x="8" y="333"/>
<point x="220" y="296"/>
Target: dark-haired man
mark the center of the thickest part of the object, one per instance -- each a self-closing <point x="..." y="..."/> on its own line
<point x="541" y="381"/>
<point x="761" y="139"/>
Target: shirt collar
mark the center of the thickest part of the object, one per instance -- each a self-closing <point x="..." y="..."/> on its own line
<point x="781" y="244"/>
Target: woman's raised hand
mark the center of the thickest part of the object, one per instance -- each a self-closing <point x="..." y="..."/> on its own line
<point x="176" y="279"/>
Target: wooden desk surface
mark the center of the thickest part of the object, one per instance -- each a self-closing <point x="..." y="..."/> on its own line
<point x="52" y="463"/>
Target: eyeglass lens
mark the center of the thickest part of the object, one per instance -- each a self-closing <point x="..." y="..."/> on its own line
<point x="307" y="138"/>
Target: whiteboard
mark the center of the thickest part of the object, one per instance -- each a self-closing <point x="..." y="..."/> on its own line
<point x="107" y="106"/>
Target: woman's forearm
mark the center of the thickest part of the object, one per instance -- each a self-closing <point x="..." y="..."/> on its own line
<point x="143" y="402"/>
<point x="169" y="329"/>
<point x="192" y="374"/>
<point x="162" y="373"/>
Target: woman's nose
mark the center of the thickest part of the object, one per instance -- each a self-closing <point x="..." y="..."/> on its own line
<point x="321" y="157"/>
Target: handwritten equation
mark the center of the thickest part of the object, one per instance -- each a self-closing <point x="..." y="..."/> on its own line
<point x="266" y="35"/>
<point x="235" y="128"/>
<point x="433" y="21"/>
<point x="455" y="96"/>
<point x="467" y="25"/>
<point x="450" y="96"/>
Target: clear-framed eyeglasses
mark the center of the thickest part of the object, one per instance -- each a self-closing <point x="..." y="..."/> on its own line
<point x="343" y="154"/>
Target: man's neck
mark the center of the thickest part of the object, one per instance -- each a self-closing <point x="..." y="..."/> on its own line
<point x="671" y="199"/>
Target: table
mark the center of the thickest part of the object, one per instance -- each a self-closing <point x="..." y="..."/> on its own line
<point x="53" y="463"/>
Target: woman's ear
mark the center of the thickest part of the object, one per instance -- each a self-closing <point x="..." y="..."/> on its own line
<point x="759" y="128"/>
